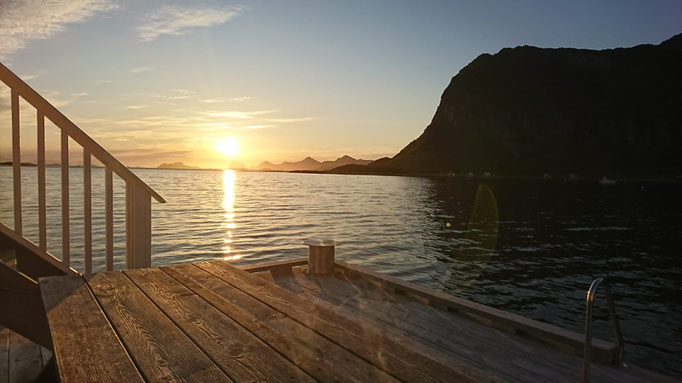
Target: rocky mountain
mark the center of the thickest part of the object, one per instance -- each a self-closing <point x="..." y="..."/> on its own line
<point x="341" y="161"/>
<point x="530" y="111"/>
<point x="176" y="165"/>
<point x="311" y="164"/>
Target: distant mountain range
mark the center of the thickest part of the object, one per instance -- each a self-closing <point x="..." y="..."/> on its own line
<point x="529" y="111"/>
<point x="311" y="164"/>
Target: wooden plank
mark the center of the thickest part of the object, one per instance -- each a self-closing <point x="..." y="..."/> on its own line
<point x="42" y="214"/>
<point x="109" y="218"/>
<point x="138" y="227"/>
<point x="161" y="351"/>
<point x="506" y="361"/>
<point x="314" y="354"/>
<point x="33" y="261"/>
<point x="87" y="212"/>
<point x="24" y="359"/>
<point x="566" y="340"/>
<point x="16" y="161"/>
<point x="4" y="355"/>
<point x="20" y="87"/>
<point x="71" y="309"/>
<point x="446" y="331"/>
<point x="397" y="355"/>
<point x="66" y="232"/>
<point x="240" y="354"/>
<point x="286" y="264"/>
<point x="21" y="306"/>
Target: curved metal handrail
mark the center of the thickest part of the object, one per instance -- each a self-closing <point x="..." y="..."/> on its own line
<point x="588" y="326"/>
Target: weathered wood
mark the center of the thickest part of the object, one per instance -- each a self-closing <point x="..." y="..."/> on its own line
<point x="566" y="340"/>
<point x="87" y="212"/>
<point x="34" y="262"/>
<point x="66" y="230"/>
<point x="138" y="227"/>
<point x="397" y="355"/>
<point x="286" y="264"/>
<point x="24" y="359"/>
<point x="507" y="361"/>
<point x="160" y="349"/>
<point x="19" y="87"/>
<point x="95" y="354"/>
<point x="16" y="160"/>
<point x="313" y="353"/>
<point x="4" y="355"/>
<point x="21" y="306"/>
<point x="42" y="215"/>
<point x="516" y="357"/>
<point x="240" y="354"/>
<point x="109" y="218"/>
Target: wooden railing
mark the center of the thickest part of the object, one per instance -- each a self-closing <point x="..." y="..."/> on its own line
<point x="138" y="194"/>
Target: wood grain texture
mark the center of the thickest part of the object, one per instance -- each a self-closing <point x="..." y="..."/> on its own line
<point x="85" y="346"/>
<point x="161" y="351"/>
<point x="24" y="359"/>
<point x="320" y="358"/>
<point x="397" y="355"/>
<point x="515" y="358"/>
<point x="286" y="264"/>
<point x="568" y="341"/>
<point x="240" y="354"/>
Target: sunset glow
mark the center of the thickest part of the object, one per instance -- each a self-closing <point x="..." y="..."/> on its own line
<point x="228" y="147"/>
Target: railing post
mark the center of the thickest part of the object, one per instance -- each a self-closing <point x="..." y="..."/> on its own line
<point x="138" y="227"/>
<point x="16" y="161"/>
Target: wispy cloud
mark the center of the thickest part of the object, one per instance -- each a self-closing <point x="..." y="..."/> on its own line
<point x="220" y="100"/>
<point x="236" y="114"/>
<point x="24" y="20"/>
<point x="179" y="94"/>
<point x="297" y="119"/>
<point x="179" y="20"/>
<point x="136" y="107"/>
<point x="140" y="69"/>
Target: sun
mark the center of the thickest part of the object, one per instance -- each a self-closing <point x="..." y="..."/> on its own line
<point x="228" y="147"/>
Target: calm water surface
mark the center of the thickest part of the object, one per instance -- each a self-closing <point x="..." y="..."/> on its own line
<point x="528" y="246"/>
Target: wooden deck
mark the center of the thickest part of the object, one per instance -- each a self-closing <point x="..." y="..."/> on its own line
<point x="212" y="322"/>
<point x="21" y="360"/>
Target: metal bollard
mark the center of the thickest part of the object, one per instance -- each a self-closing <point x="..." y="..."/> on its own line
<point x="320" y="256"/>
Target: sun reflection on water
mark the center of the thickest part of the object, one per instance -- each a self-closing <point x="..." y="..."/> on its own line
<point x="228" y="223"/>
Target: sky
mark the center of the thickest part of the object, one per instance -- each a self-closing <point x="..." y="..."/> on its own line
<point x="210" y="83"/>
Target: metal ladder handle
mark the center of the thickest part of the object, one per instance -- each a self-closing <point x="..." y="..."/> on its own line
<point x="588" y="326"/>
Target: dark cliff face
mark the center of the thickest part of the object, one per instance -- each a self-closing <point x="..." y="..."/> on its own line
<point x="529" y="110"/>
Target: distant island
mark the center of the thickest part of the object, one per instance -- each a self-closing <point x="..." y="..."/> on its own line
<point x="535" y="111"/>
<point x="176" y="165"/>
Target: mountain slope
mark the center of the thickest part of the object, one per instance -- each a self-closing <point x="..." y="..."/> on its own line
<point x="530" y="110"/>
